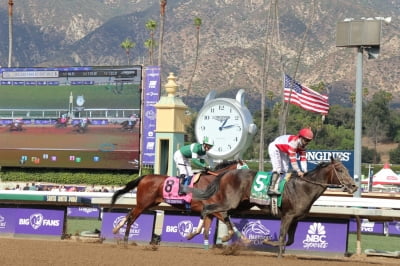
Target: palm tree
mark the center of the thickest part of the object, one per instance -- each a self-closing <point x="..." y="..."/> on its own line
<point x="127" y="45"/>
<point x="163" y="5"/>
<point x="197" y="24"/>
<point x="10" y="31"/>
<point x="149" y="44"/>
<point x="151" y="25"/>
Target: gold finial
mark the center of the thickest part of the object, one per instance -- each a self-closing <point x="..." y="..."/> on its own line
<point x="171" y="85"/>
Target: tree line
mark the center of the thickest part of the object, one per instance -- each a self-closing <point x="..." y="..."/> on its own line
<point x="333" y="132"/>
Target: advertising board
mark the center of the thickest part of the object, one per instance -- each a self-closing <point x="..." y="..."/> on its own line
<point x="71" y="117"/>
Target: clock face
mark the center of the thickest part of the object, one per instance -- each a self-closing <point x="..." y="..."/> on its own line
<point x="222" y="122"/>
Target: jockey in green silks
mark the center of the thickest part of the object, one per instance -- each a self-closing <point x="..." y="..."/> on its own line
<point x="195" y="153"/>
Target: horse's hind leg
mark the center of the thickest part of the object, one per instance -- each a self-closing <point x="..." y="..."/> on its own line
<point x="129" y="219"/>
<point x="135" y="213"/>
<point x="206" y="233"/>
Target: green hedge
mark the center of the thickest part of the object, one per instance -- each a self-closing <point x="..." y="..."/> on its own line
<point x="67" y="176"/>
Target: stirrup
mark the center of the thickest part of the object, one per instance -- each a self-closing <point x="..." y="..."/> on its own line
<point x="273" y="192"/>
<point x="181" y="191"/>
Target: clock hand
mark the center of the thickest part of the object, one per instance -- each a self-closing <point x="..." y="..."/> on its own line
<point x="229" y="126"/>
<point x="223" y="124"/>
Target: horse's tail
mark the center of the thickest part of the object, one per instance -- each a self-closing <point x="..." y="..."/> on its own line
<point x="211" y="189"/>
<point x="128" y="187"/>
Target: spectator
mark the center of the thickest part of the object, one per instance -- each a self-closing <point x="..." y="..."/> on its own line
<point x="33" y="187"/>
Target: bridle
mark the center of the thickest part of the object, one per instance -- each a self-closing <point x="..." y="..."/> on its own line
<point x="325" y="185"/>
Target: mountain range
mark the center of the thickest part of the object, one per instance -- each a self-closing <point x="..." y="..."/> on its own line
<point x="233" y="38"/>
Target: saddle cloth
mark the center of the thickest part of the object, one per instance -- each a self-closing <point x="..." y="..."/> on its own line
<point x="171" y="188"/>
<point x="259" y="188"/>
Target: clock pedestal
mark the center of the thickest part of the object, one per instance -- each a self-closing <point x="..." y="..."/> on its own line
<point x="170" y="128"/>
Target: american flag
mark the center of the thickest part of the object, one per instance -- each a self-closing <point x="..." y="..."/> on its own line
<point x="304" y="97"/>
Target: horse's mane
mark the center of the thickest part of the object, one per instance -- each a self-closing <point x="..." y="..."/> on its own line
<point x="225" y="163"/>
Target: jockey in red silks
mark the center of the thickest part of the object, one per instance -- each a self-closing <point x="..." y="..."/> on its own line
<point x="283" y="150"/>
<point x="63" y="119"/>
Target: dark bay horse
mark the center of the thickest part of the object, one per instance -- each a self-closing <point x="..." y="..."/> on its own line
<point x="231" y="192"/>
<point x="149" y="194"/>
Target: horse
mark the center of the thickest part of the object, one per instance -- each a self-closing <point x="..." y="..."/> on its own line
<point x="62" y="122"/>
<point x="82" y="126"/>
<point x="16" y="126"/>
<point x="149" y="194"/>
<point x="128" y="125"/>
<point x="231" y="192"/>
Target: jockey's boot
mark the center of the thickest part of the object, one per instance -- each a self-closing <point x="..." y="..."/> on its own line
<point x="182" y="179"/>
<point x="271" y="189"/>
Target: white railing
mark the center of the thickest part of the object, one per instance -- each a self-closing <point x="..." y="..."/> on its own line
<point x="108" y="113"/>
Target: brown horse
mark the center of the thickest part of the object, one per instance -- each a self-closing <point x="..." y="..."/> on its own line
<point x="231" y="192"/>
<point x="149" y="194"/>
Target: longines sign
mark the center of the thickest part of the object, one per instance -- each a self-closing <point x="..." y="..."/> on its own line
<point x="314" y="157"/>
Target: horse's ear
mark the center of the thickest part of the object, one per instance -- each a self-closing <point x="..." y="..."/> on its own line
<point x="337" y="158"/>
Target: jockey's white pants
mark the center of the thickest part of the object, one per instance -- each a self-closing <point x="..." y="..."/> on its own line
<point x="183" y="164"/>
<point x="279" y="160"/>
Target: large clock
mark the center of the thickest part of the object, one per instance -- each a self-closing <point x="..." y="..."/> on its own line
<point x="226" y="122"/>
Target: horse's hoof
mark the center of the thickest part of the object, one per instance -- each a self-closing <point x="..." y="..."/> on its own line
<point x="246" y="241"/>
<point x="271" y="243"/>
<point x="190" y="236"/>
<point x="226" y="238"/>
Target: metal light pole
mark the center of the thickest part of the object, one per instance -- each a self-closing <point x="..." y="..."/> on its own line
<point x="364" y="34"/>
<point x="358" y="122"/>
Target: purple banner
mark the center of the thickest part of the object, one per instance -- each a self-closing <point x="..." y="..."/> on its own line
<point x="83" y="212"/>
<point x="177" y="227"/>
<point x="39" y="222"/>
<point x="394" y="228"/>
<point x="367" y="227"/>
<point x="150" y="98"/>
<point x="7" y="221"/>
<point x="141" y="229"/>
<point x="329" y="236"/>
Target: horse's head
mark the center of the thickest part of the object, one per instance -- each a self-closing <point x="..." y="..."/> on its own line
<point x="340" y="176"/>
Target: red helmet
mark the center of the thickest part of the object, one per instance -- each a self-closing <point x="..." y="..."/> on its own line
<point x="306" y="133"/>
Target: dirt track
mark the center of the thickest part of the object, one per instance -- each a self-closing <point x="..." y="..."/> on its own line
<point x="69" y="252"/>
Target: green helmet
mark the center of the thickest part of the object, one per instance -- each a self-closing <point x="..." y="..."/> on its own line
<point x="207" y="141"/>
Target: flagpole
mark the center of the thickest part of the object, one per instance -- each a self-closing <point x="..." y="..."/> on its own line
<point x="285" y="107"/>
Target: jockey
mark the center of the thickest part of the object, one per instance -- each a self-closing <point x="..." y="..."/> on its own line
<point x="283" y="150"/>
<point x="195" y="153"/>
<point x="63" y="119"/>
<point x="84" y="122"/>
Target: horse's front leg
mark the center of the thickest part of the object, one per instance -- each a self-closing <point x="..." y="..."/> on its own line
<point x="286" y="223"/>
<point x="291" y="232"/>
<point x="229" y="226"/>
<point x="191" y="235"/>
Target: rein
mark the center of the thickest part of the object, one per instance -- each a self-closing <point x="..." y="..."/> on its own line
<point x="325" y="185"/>
<point x="212" y="173"/>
